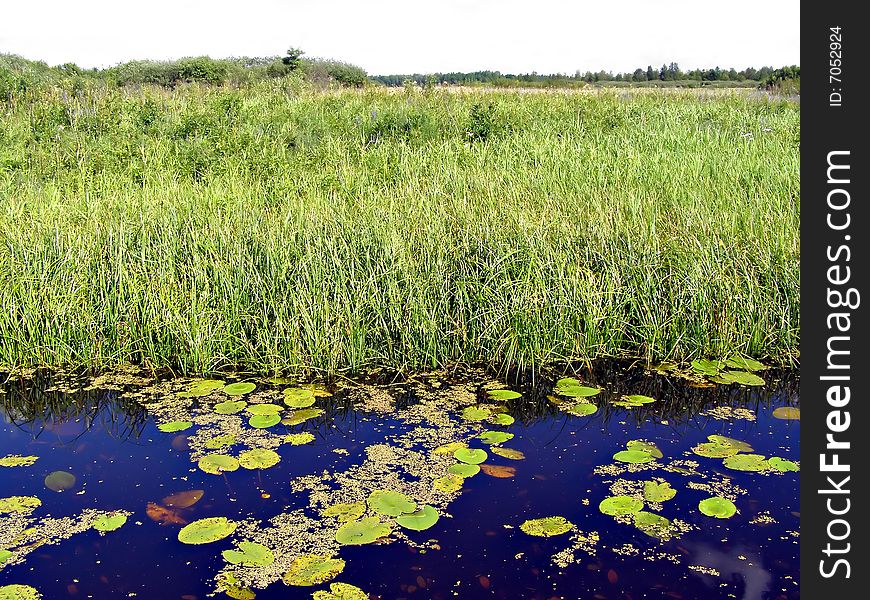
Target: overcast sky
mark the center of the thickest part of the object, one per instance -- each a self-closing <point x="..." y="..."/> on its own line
<point x="406" y="36"/>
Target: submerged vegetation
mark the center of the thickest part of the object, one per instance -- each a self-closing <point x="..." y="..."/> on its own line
<point x="280" y="229"/>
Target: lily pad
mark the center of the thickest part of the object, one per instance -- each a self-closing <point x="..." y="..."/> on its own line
<point x="788" y="413"/>
<point x="259" y="458"/>
<point x="547" y="526"/>
<point x="299" y="397"/>
<point x="19" y="504"/>
<point x="508" y="453"/>
<point x="498" y="471"/>
<point x="264" y="421"/>
<point x="250" y="554"/>
<point x="264" y="409"/>
<point x="107" y="523"/>
<point x="298" y="439"/>
<point x="219" y="441"/>
<point x="449" y="449"/>
<point x="503" y="419"/>
<point x="215" y="464"/>
<point x="184" y="499"/>
<point x="582" y="409"/>
<point x="575" y="390"/>
<point x="495" y="437"/>
<point x="464" y="470"/>
<point x="721" y="508"/>
<point x="633" y="456"/>
<point x="16" y="460"/>
<point x="654" y="491"/>
<point x="448" y="484"/>
<point x="206" y="531"/>
<point x="300" y="416"/>
<point x="780" y="464"/>
<point x="16" y="591"/>
<point x="390" y="503"/>
<point x="651" y="523"/>
<point x="645" y="446"/>
<point x="4" y="556"/>
<point x="230" y="407"/>
<point x="312" y="569"/>
<point x="714" y="450"/>
<point x="364" y="531"/>
<point x="744" y="364"/>
<point x="204" y="387"/>
<point x="640" y="399"/>
<point x="503" y="395"/>
<point x="60" y="481"/>
<point x="239" y="389"/>
<point x="738" y="445"/>
<point x="471" y="456"/>
<point x="747" y="462"/>
<point x="475" y="413"/>
<point x="346" y="511"/>
<point x="419" y="520"/>
<point x="620" y="505"/>
<point x="744" y="378"/>
<point x="175" y="426"/>
<point x="230" y="584"/>
<point x="708" y="367"/>
<point x="340" y="591"/>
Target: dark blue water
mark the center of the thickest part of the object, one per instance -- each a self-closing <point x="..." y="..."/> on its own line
<point x="121" y="460"/>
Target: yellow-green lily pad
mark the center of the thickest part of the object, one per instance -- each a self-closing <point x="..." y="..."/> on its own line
<point x="495" y="437"/>
<point x="620" y="505"/>
<point x="17" y="591"/>
<point x="582" y="409"/>
<point x="206" y="531"/>
<point x="508" y="453"/>
<point x="448" y="484"/>
<point x="264" y="421"/>
<point x="250" y="554"/>
<point x="230" y="407"/>
<point x="780" y="464"/>
<point x="299" y="397"/>
<point x="298" y="439"/>
<point x="547" y="526"/>
<point x="651" y="523"/>
<point x="19" y="504"/>
<point x="390" y="503"/>
<point x="645" y="446"/>
<point x="312" y="569"/>
<point x="259" y="458"/>
<point x="718" y="507"/>
<point x="346" y="511"/>
<point x="747" y="462"/>
<point x="300" y="416"/>
<point x="419" y="520"/>
<point x="16" y="460"/>
<point x="175" y="426"/>
<point x="654" y="491"/>
<point x="219" y="441"/>
<point x="340" y="591"/>
<point x="464" y="470"/>
<point x="714" y="450"/>
<point x="215" y="464"/>
<point x="788" y="413"/>
<point x="475" y="413"/>
<point x="471" y="456"/>
<point x="204" y="387"/>
<point x="503" y="395"/>
<point x="503" y="419"/>
<point x="264" y="409"/>
<point x="744" y="378"/>
<point x="107" y="523"/>
<point x="240" y="388"/>
<point x="633" y="456"/>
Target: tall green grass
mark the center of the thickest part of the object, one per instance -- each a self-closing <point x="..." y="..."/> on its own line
<point x="279" y="229"/>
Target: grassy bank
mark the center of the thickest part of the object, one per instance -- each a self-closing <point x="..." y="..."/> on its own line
<point x="277" y="228"/>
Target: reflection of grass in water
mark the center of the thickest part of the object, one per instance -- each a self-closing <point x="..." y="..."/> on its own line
<point x="246" y="227"/>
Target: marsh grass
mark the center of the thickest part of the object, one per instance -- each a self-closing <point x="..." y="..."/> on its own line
<point x="275" y="228"/>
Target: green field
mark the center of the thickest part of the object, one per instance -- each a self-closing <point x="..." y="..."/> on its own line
<point x="277" y="228"/>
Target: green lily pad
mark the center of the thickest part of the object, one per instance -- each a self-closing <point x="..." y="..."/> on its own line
<point x="175" y="426"/>
<point x="788" y="413"/>
<point x="249" y="554"/>
<point x="264" y="409"/>
<point x="4" y="556"/>
<point x="60" y="481"/>
<point x="738" y="445"/>
<point x="264" y="421"/>
<point x="475" y="413"/>
<point x="747" y="462"/>
<point x="640" y="399"/>
<point x="722" y="378"/>
<point x="582" y="409"/>
<point x="206" y="531"/>
<point x="449" y="449"/>
<point x="780" y="464"/>
<point x="721" y="508"/>
<point x="390" y="503"/>
<point x="219" y="441"/>
<point x="364" y="531"/>
<point x="651" y="523"/>
<point x="714" y="450"/>
<point x="654" y="491"/>
<point x="215" y="464"/>
<point x="508" y="453"/>
<point x="107" y="523"/>
<point x="240" y="388"/>
<point x="495" y="437"/>
<point x="312" y="569"/>
<point x="230" y="407"/>
<point x="16" y="460"/>
<point x="620" y="505"/>
<point x="575" y="390"/>
<point x="708" y="367"/>
<point x="299" y="397"/>
<point x="419" y="520"/>
<point x="502" y="395"/>
<point x="19" y="504"/>
<point x="633" y="456"/>
<point x="471" y="456"/>
<point x="259" y="458"/>
<point x="547" y="526"/>
<point x="16" y="591"/>
<point x="744" y="378"/>
<point x="645" y="446"/>
<point x="300" y="416"/>
<point x="448" y="484"/>
<point x="503" y="419"/>
<point x="664" y="367"/>
<point x="464" y="470"/>
<point x="204" y="387"/>
<point x="567" y="382"/>
<point x="298" y="439"/>
<point x="346" y="511"/>
<point x="340" y="591"/>
<point x="230" y="584"/>
<point x="741" y="363"/>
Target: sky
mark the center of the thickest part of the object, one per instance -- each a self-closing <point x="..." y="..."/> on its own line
<point x="413" y="36"/>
